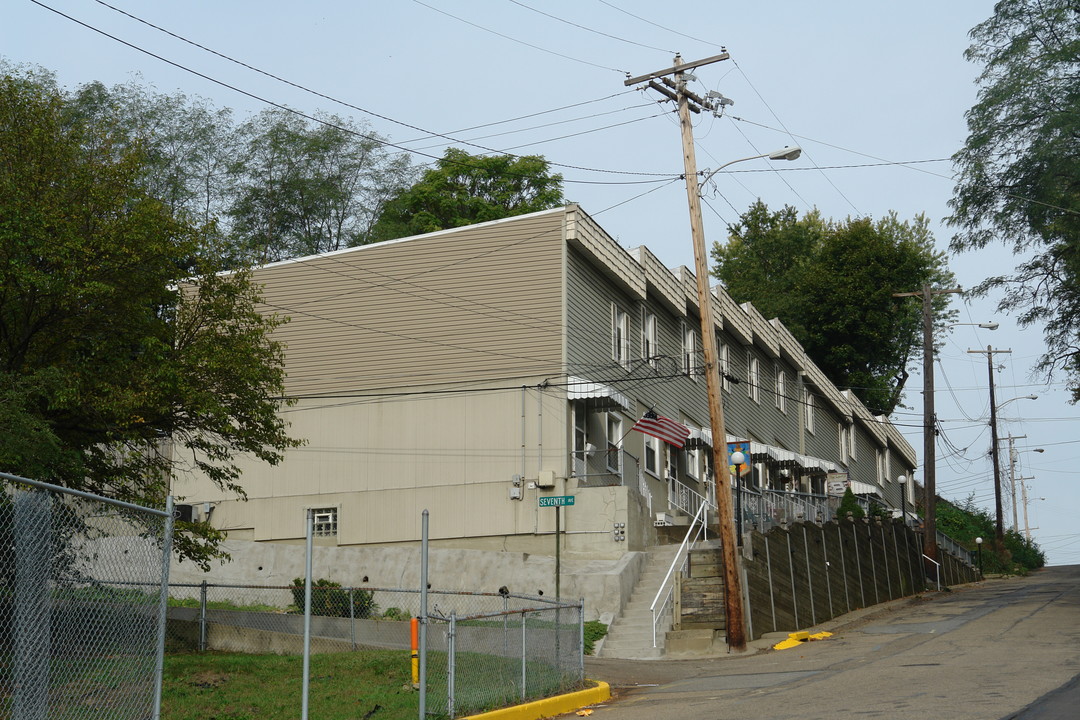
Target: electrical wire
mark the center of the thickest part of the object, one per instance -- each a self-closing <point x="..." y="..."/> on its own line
<point x="589" y="29"/>
<point x="308" y="116"/>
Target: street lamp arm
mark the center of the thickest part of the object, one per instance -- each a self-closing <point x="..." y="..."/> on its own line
<point x="788" y="153"/>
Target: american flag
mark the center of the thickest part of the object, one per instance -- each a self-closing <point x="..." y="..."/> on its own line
<point x="661" y="427"/>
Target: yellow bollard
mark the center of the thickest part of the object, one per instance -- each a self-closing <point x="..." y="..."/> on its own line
<point x="414" y="627"/>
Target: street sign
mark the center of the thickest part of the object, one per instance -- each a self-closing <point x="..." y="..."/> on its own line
<point x="557" y="501"/>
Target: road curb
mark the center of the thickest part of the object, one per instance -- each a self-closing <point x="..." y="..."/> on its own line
<point x="550" y="706"/>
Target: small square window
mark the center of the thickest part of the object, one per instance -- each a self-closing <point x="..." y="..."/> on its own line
<point x="326" y="520"/>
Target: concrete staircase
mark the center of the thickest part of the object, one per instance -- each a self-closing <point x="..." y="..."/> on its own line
<point x="631" y="634"/>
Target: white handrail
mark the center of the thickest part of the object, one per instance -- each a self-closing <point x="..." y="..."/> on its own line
<point x="937" y="569"/>
<point x="683" y="549"/>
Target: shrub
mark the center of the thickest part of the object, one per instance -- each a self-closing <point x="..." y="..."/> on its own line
<point x="594" y="630"/>
<point x="329" y="599"/>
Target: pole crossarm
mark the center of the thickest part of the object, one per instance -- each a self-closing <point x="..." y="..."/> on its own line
<point x="679" y="66"/>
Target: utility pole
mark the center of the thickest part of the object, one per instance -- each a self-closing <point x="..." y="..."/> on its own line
<point x="687" y="101"/>
<point x="929" y="419"/>
<point x="999" y="526"/>
<point x="1023" y="491"/>
<point x="1012" y="478"/>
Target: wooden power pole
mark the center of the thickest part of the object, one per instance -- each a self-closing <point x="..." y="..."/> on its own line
<point x="999" y="523"/>
<point x="929" y="419"/>
<point x="687" y="102"/>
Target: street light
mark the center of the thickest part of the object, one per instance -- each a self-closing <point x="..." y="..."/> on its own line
<point x="902" y="479"/>
<point x="978" y="544"/>
<point x="786" y="153"/>
<point x="737" y="459"/>
<point x="984" y="326"/>
<point x="999" y="525"/>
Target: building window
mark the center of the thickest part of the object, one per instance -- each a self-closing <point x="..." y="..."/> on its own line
<point x="620" y="336"/>
<point x="851" y="441"/>
<point x="808" y="404"/>
<point x="671" y="469"/>
<point x="689" y="351"/>
<point x="880" y="469"/>
<point x="652" y="455"/>
<point x="614" y="442"/>
<point x="752" y="377"/>
<point x="842" y="440"/>
<point x="886" y="465"/>
<point x="724" y="361"/>
<point x="781" y="390"/>
<point x="325" y="522"/>
<point x="649" y="351"/>
<point x="693" y="461"/>
<point x="580" y="448"/>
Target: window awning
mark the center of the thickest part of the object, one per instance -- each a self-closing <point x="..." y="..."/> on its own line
<point x="578" y="389"/>
<point x="861" y="488"/>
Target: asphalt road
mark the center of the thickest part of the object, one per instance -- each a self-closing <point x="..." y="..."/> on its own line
<point x="1003" y="648"/>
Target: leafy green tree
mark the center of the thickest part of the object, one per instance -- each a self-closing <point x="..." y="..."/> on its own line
<point x="187" y="145"/>
<point x="464" y="189"/>
<point x="966" y="521"/>
<point x="832" y="285"/>
<point x="125" y="353"/>
<point x="305" y="188"/>
<point x="1019" y="170"/>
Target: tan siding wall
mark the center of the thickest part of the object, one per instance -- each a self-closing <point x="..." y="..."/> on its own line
<point x="384" y="462"/>
<point x="405" y="312"/>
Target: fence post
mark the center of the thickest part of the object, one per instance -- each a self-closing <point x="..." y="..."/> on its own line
<point x="523" y="677"/>
<point x="828" y="580"/>
<point x="423" y="612"/>
<point x="581" y="639"/>
<point x="450" y="637"/>
<point x="202" y="616"/>
<point x="885" y="558"/>
<point x="305" y="681"/>
<point x="352" y="618"/>
<point x="809" y="576"/>
<point x="791" y="574"/>
<point x="33" y="632"/>
<point x="163" y="606"/>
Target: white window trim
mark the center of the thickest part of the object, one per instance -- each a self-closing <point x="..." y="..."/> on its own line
<point x="649" y="351"/>
<point x="724" y="361"/>
<point x="753" y="377"/>
<point x="809" y="408"/>
<point x="325" y="521"/>
<point x="658" y="454"/>
<point x="620" y="335"/>
<point x="781" y="389"/>
<point x="689" y="351"/>
<point x="613" y="457"/>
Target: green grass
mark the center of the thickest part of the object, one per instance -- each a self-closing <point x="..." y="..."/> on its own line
<point x="234" y="686"/>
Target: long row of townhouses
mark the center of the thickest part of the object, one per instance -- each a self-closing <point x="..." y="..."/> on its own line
<point x="473" y="371"/>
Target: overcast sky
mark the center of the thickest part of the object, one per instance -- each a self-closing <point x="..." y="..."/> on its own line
<point x="874" y="92"/>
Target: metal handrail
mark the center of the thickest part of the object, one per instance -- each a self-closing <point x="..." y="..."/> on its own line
<point x="680" y="553"/>
<point x="937" y="569"/>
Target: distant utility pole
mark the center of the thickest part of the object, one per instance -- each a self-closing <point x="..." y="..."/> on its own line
<point x="687" y="101"/>
<point x="1012" y="478"/>
<point x="999" y="526"/>
<point x="929" y="419"/>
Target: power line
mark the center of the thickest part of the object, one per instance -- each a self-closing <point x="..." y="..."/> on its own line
<point x="308" y="116"/>
<point x="520" y="42"/>
<point x="589" y="29"/>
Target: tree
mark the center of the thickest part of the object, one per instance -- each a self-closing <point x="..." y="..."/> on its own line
<point x="306" y="188"/>
<point x="831" y="284"/>
<point x="464" y="189"/>
<point x="126" y="354"/>
<point x="1019" y="170"/>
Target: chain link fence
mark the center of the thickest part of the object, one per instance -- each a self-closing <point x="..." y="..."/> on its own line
<point x="71" y="645"/>
<point x="485" y="651"/>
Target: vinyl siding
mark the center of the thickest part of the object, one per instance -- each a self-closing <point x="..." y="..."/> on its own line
<point x="407" y="312"/>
